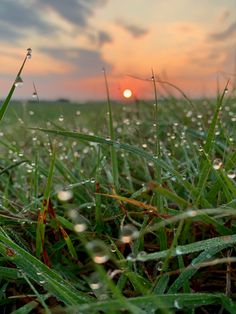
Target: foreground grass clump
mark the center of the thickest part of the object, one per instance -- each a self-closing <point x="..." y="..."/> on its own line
<point x="74" y="240"/>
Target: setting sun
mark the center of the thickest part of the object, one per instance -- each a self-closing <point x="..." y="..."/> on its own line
<point x="127" y="93"/>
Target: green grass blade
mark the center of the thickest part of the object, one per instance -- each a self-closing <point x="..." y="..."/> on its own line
<point x="40" y="273"/>
<point x="9" y="96"/>
<point x="217" y="242"/>
<point x="163" y="302"/>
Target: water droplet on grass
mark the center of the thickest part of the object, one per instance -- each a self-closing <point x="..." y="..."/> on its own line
<point x="128" y="233"/>
<point x="95" y="282"/>
<point x="231" y="174"/>
<point x="131" y="257"/>
<point x="141" y="255"/>
<point x="61" y="118"/>
<point x="217" y="164"/>
<point x="178" y="250"/>
<point x="113" y="248"/>
<point x="99" y="251"/>
<point x="159" y="266"/>
<point x="80" y="227"/>
<point x="192" y="213"/>
<point x="29" y="53"/>
<point x="41" y="282"/>
<point x="34" y="95"/>
<point x="177" y="304"/>
<point x="18" y="82"/>
<point x="64" y="196"/>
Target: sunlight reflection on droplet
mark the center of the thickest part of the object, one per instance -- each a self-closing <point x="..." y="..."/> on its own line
<point x="217" y="164"/>
<point x="128" y="233"/>
<point x="99" y="251"/>
<point x="64" y="196"/>
<point x="231" y="174"/>
<point x="18" y="82"/>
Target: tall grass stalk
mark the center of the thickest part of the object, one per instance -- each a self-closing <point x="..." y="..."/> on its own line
<point x="158" y="196"/>
<point x="114" y="161"/>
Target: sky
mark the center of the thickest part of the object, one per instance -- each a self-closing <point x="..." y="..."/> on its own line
<point x="188" y="43"/>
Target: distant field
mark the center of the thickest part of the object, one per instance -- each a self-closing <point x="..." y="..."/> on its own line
<point x="134" y="214"/>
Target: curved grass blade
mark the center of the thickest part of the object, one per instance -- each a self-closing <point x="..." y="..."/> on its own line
<point x="40" y="273"/>
<point x="164" y="302"/>
<point x="217" y="242"/>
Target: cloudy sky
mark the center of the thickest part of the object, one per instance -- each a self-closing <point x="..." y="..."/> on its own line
<point x="185" y="42"/>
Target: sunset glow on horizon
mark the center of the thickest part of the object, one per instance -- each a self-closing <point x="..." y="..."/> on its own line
<point x="187" y="43"/>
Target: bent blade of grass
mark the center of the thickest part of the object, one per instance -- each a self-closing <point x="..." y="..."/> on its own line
<point x="13" y="165"/>
<point x="193" y="268"/>
<point x="40" y="298"/>
<point x="161" y="302"/>
<point x="36" y="270"/>
<point x="27" y="308"/>
<point x="217" y="242"/>
<point x="201" y="215"/>
<point x="8" y="273"/>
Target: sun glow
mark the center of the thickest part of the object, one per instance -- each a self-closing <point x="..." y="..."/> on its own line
<point x="127" y="93"/>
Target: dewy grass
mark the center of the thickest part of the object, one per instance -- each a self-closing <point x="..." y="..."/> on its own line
<point x="17" y="81"/>
<point x="177" y="256"/>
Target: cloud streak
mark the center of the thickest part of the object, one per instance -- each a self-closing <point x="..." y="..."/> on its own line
<point x="22" y="17"/>
<point x="227" y="33"/>
<point x="135" y="30"/>
<point x="19" y="17"/>
<point x="74" y="11"/>
<point x="86" y="63"/>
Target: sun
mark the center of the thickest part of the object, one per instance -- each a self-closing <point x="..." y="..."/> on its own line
<point x="127" y="93"/>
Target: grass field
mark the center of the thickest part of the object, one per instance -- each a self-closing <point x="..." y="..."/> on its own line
<point x="119" y="207"/>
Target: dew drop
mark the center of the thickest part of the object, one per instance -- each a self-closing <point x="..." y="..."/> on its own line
<point x="217" y="164"/>
<point x="80" y="227"/>
<point x="131" y="257"/>
<point x="99" y="251"/>
<point x="61" y="118"/>
<point x="18" y="82"/>
<point x="34" y="95"/>
<point x="177" y="304"/>
<point x="128" y="233"/>
<point x="231" y="174"/>
<point x="159" y="266"/>
<point x="29" y="53"/>
<point x="178" y="250"/>
<point x="192" y="213"/>
<point x="94" y="281"/>
<point x="64" y="196"/>
<point x="141" y="255"/>
<point x="41" y="282"/>
<point x="113" y="248"/>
